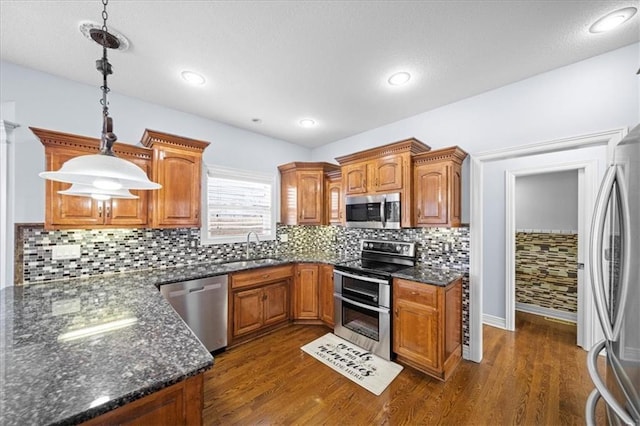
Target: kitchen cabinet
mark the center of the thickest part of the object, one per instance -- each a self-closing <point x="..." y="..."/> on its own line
<point x="376" y="176"/>
<point x="427" y="332"/>
<point x="437" y="180"/>
<point x="326" y="295"/>
<point x="306" y="292"/>
<point x="177" y="166"/>
<point x="334" y="198"/>
<point x="302" y="193"/>
<point x="384" y="169"/>
<point x="68" y="211"/>
<point x="178" y="404"/>
<point x="259" y="301"/>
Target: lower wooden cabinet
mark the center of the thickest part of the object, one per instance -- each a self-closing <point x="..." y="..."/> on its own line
<point x="178" y="404"/>
<point x="427" y="331"/>
<point x="326" y="295"/>
<point x="258" y="301"/>
<point x="306" y="292"/>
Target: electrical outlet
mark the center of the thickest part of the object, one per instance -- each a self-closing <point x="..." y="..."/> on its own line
<point x="284" y="238"/>
<point x="69" y="251"/>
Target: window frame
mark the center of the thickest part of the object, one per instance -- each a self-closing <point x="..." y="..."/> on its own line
<point x="212" y="170"/>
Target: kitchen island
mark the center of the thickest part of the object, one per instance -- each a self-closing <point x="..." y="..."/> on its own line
<point x="72" y="350"/>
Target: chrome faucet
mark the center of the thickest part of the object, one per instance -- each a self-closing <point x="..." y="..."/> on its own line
<point x="248" y="238"/>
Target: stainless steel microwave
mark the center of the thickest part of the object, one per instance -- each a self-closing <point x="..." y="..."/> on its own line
<point x="373" y="211"/>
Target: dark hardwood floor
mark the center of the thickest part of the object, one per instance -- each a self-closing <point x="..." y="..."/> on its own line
<point x="534" y="376"/>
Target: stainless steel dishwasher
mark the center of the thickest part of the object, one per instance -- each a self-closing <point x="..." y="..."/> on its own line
<point x="202" y="304"/>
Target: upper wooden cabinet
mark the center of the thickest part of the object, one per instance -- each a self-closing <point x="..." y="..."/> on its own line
<point x="334" y="198"/>
<point x="437" y="180"/>
<point x="177" y="166"/>
<point x="383" y="170"/>
<point x="302" y="193"/>
<point x="68" y="211"/>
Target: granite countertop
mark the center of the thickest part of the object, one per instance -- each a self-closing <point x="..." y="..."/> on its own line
<point x="162" y="276"/>
<point x="50" y="377"/>
<point x="427" y="275"/>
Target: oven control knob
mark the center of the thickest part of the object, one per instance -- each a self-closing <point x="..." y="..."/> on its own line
<point x="398" y="249"/>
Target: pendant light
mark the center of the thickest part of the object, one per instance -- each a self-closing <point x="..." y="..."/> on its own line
<point x="102" y="175"/>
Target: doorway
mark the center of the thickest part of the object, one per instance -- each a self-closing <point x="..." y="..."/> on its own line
<point x="547" y="211"/>
<point x="491" y="301"/>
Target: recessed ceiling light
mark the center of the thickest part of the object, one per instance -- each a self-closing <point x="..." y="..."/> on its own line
<point x="192" y="78"/>
<point x="399" y="78"/>
<point x="613" y="20"/>
<point x="307" y="122"/>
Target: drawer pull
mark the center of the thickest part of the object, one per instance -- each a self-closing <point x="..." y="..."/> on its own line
<point x="414" y="293"/>
<point x="265" y="276"/>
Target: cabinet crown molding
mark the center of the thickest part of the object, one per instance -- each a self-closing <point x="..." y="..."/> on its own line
<point x="154" y="137"/>
<point x="453" y="153"/>
<point x="51" y="138"/>
<point x="302" y="165"/>
<point x="412" y="146"/>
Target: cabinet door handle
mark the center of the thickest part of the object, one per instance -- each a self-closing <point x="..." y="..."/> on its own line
<point x="265" y="276"/>
<point x="264" y="297"/>
<point x="108" y="211"/>
<point x="419" y="214"/>
<point x="396" y="311"/>
<point x="100" y="210"/>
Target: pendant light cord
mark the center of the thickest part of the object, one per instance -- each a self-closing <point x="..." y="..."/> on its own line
<point x="103" y="65"/>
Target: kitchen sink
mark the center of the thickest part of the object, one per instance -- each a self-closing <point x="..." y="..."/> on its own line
<point x="252" y="262"/>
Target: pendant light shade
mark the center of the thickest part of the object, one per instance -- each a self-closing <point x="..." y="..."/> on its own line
<point x="81" y="190"/>
<point x="102" y="171"/>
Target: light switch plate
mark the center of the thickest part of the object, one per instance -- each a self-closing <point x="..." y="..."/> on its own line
<point x="69" y="251"/>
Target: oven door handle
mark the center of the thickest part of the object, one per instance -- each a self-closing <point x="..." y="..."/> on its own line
<point x="362" y="305"/>
<point x="361" y="277"/>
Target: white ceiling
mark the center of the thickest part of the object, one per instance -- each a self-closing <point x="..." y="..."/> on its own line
<point x="281" y="61"/>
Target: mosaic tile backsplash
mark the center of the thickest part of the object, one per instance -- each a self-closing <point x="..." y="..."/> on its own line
<point x="121" y="250"/>
<point x="546" y="270"/>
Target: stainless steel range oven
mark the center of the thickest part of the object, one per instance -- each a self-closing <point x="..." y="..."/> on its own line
<point x="362" y="294"/>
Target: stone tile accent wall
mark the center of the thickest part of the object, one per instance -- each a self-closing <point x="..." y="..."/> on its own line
<point x="120" y="250"/>
<point x="546" y="270"/>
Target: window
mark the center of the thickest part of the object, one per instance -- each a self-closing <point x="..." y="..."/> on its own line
<point x="238" y="202"/>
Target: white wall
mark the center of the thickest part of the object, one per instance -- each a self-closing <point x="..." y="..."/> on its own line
<point x="547" y="201"/>
<point x="600" y="93"/>
<point x="50" y="102"/>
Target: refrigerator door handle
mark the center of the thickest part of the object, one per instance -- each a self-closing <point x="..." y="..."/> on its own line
<point x="625" y="227"/>
<point x="590" y="408"/>
<point x="601" y="387"/>
<point x="595" y="249"/>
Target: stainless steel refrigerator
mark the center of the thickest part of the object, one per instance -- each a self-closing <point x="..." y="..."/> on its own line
<point x="615" y="277"/>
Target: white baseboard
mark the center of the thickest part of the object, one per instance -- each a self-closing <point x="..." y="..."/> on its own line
<point x="547" y="312"/>
<point x="494" y="321"/>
